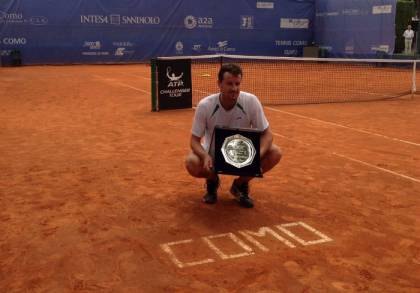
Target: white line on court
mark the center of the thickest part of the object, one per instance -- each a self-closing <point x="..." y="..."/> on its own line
<point x="136" y="75"/>
<point x="132" y="87"/>
<point x="370" y="93"/>
<point x="353" y="160"/>
<point x="335" y="124"/>
<point x="198" y="91"/>
<point x="343" y="126"/>
<point x="333" y="153"/>
<point x="111" y="80"/>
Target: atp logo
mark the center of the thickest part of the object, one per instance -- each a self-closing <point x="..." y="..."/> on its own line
<point x="174" y="80"/>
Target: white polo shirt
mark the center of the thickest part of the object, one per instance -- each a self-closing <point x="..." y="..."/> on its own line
<point x="408" y="34"/>
<point x="247" y="113"/>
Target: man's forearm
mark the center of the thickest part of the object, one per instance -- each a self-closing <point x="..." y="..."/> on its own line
<point x="198" y="149"/>
<point x="266" y="140"/>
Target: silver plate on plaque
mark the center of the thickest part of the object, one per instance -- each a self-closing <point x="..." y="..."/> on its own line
<point x="238" y="151"/>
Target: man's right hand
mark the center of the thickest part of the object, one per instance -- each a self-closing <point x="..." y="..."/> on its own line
<point x="208" y="163"/>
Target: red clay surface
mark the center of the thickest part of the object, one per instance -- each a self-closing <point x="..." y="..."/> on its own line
<point x="92" y="184"/>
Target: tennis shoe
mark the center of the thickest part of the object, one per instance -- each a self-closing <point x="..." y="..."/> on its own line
<point x="211" y="195"/>
<point x="241" y="193"/>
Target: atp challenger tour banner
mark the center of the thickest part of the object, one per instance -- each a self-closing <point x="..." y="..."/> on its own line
<point x="101" y="31"/>
<point x="174" y="86"/>
<point x="355" y="28"/>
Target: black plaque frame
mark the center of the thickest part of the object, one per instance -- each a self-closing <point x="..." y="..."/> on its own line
<point x="222" y="167"/>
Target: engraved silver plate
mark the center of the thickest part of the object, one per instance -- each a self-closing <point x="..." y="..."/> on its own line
<point x="238" y="151"/>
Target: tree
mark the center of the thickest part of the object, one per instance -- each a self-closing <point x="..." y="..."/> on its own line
<point x="418" y="8"/>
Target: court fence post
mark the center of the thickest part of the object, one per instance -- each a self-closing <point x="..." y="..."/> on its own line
<point x="153" y="68"/>
<point x="414" y="86"/>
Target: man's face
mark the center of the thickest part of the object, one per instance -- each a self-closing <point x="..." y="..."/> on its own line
<point x="230" y="87"/>
<point x="409" y="27"/>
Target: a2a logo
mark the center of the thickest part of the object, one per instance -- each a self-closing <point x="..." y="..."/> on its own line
<point x="191" y="22"/>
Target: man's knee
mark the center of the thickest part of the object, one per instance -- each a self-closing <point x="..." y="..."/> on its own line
<point x="271" y="158"/>
<point x="193" y="165"/>
<point x="274" y="154"/>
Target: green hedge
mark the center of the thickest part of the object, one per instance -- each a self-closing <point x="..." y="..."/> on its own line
<point x="405" y="11"/>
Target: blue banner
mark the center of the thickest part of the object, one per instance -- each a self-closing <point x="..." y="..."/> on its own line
<point x="355" y="28"/>
<point x="101" y="31"/>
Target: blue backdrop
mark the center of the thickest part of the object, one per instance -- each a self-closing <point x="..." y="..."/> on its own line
<point x="98" y="31"/>
<point x="355" y="28"/>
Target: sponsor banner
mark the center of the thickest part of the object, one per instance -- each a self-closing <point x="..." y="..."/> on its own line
<point x="117" y="19"/>
<point x="327" y="14"/>
<point x="348" y="28"/>
<point x="174" y="84"/>
<point x="19" y="18"/>
<point x="382" y="9"/>
<point x="197" y="48"/>
<point x="247" y="22"/>
<point x="381" y="48"/>
<point x="294" y="23"/>
<point x="123" y="48"/>
<point x="86" y="32"/>
<point x="221" y="47"/>
<point x="95" y="49"/>
<point x="291" y="42"/>
<point x="192" y="22"/>
<point x="14" y="41"/>
<point x="179" y="48"/>
<point x="265" y="5"/>
<point x="354" y="12"/>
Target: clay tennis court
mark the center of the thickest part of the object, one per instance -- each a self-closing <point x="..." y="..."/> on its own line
<point x="95" y="198"/>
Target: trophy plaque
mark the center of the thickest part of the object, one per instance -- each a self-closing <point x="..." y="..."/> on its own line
<point x="237" y="151"/>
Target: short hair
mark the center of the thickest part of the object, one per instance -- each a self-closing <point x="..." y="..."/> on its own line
<point x="233" y="69"/>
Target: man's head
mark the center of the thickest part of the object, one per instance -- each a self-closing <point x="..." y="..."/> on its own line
<point x="409" y="27"/>
<point x="229" y="80"/>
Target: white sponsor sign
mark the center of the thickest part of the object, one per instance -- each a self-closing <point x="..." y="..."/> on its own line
<point x="192" y="22"/>
<point x="18" y="18"/>
<point x="93" y="53"/>
<point x="38" y="20"/>
<point x="123" y="44"/>
<point x="294" y="23"/>
<point x="5" y="52"/>
<point x="349" y="49"/>
<point x="15" y="41"/>
<point x="265" y="5"/>
<point x="382" y="9"/>
<point x="247" y="22"/>
<point x="383" y="48"/>
<point x="122" y="51"/>
<point x="353" y="12"/>
<point x="329" y="13"/>
<point x="117" y="19"/>
<point x="179" y="47"/>
<point x="92" y="45"/>
<point x="222" y="46"/>
<point x="283" y="42"/>
<point x="196" y="47"/>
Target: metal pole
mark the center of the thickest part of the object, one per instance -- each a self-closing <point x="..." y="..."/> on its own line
<point x="153" y="67"/>
<point x="414" y="87"/>
<point x="418" y="27"/>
